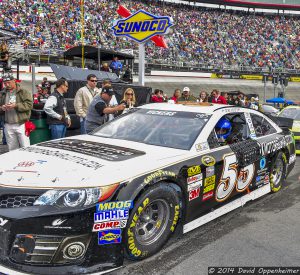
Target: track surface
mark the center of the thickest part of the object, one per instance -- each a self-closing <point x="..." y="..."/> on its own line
<point x="265" y="232"/>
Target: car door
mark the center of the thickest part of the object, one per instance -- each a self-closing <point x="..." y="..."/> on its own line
<point x="222" y="177"/>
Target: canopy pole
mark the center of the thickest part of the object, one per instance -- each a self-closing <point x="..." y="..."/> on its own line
<point x="142" y="64"/>
<point x="99" y="61"/>
<point x="82" y="33"/>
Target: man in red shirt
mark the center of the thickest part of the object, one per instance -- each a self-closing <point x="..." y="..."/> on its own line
<point x="158" y="96"/>
<point x="217" y="98"/>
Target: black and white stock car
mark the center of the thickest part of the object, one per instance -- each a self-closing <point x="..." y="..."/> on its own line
<point x="80" y="204"/>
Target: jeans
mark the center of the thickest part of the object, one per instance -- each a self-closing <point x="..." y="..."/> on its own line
<point x="82" y="126"/>
<point x="3" y="133"/>
<point x="57" y="131"/>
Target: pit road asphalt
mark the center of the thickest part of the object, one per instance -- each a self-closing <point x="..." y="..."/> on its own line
<point x="265" y="232"/>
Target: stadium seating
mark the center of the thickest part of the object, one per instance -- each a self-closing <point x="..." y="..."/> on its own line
<point x="202" y="36"/>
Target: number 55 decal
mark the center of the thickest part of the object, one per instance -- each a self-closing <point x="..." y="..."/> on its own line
<point x="231" y="179"/>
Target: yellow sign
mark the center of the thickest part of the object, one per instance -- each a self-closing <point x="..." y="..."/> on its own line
<point x="142" y="25"/>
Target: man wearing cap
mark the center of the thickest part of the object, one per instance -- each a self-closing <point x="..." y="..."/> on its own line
<point x="83" y="99"/>
<point x="15" y="106"/>
<point x="56" y="110"/>
<point x="99" y="110"/>
<point x="186" y="96"/>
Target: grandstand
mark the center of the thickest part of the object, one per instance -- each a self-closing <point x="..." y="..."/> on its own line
<point x="203" y="38"/>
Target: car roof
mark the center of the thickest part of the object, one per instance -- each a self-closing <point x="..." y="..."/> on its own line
<point x="207" y="108"/>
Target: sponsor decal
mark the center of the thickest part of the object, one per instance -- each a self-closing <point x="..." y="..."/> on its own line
<point x="267" y="179"/>
<point x="194" y="185"/>
<point x="229" y="110"/>
<point x="40" y="161"/>
<point x="141" y="26"/>
<point x="26" y="164"/>
<point x="114" y="205"/>
<point x="109" y="225"/>
<point x="208" y="196"/>
<point x="250" y="125"/>
<point x="161" y="113"/>
<point x="110" y="236"/>
<point x="193" y="194"/>
<point x="262" y="163"/>
<point x="3" y="221"/>
<point x="194" y="178"/>
<point x="209" y="180"/>
<point x="292" y="158"/>
<point x="159" y="175"/>
<point x="194" y="170"/>
<point x="93" y="149"/>
<point x="210" y="171"/>
<point x="274" y="145"/>
<point x="208" y="161"/>
<point x="111" y="215"/>
<point x="209" y="188"/>
<point x="79" y="160"/>
<point x="56" y="224"/>
<point x="202" y="146"/>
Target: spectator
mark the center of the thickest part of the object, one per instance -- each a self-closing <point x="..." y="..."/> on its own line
<point x="113" y="102"/>
<point x="127" y="75"/>
<point x="240" y="101"/>
<point x="157" y="97"/>
<point x="4" y="57"/>
<point x="225" y="95"/>
<point x="186" y="96"/>
<point x="83" y="99"/>
<point x="47" y="85"/>
<point x="129" y="98"/>
<point x="15" y="104"/>
<point x="99" y="109"/>
<point x="56" y="110"/>
<point x="217" y="98"/>
<point x="104" y="67"/>
<point x="176" y="95"/>
<point x="203" y="96"/>
<point x="116" y="66"/>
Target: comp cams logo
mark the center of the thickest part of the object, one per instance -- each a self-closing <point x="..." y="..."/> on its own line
<point x="142" y="25"/>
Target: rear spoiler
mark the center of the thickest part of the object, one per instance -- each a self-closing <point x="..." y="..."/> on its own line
<point x="283" y="122"/>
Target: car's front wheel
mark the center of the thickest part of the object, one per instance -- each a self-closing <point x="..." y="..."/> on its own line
<point x="152" y="221"/>
<point x="278" y="172"/>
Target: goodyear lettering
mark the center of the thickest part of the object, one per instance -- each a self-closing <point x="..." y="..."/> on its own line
<point x="131" y="243"/>
<point x="194" y="170"/>
<point x="158" y="175"/>
<point x="176" y="217"/>
<point x="109" y="225"/>
<point x="111" y="215"/>
<point x="141" y="26"/>
<point x="114" y="205"/>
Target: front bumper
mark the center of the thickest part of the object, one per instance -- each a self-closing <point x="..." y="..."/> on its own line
<point x="32" y="241"/>
<point x="297" y="142"/>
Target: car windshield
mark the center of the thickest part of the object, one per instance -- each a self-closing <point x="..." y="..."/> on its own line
<point x="293" y="113"/>
<point x="269" y="109"/>
<point x="156" y="127"/>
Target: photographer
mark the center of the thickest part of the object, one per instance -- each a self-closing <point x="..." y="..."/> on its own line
<point x="56" y="110"/>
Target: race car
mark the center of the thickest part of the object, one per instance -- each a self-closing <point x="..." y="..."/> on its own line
<point x="293" y="112"/>
<point x="80" y="204"/>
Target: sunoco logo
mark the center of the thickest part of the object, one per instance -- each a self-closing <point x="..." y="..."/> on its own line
<point x="142" y="25"/>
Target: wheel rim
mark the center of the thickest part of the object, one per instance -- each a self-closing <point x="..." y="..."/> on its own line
<point x="277" y="171"/>
<point x="152" y="222"/>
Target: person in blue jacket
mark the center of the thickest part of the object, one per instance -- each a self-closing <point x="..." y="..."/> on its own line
<point x="116" y="66"/>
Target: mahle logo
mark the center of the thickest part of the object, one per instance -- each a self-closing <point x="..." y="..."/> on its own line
<point x="142" y="25"/>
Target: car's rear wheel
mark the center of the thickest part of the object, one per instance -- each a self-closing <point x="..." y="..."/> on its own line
<point x="152" y="221"/>
<point x="278" y="172"/>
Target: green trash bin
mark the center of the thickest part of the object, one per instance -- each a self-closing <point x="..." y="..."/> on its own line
<point x="42" y="132"/>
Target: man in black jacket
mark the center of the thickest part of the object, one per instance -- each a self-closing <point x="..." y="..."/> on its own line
<point x="56" y="110"/>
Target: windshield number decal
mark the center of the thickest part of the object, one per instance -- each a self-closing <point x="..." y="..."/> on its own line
<point x="231" y="178"/>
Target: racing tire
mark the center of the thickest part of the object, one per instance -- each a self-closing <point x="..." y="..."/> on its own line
<point x="152" y="221"/>
<point x="278" y="172"/>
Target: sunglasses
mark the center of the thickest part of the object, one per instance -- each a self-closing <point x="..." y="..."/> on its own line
<point x="93" y="80"/>
<point x="129" y="94"/>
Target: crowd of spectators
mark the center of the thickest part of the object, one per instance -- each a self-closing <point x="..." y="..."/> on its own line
<point x="200" y="35"/>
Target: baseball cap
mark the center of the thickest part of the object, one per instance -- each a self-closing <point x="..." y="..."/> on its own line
<point x="39" y="85"/>
<point x="186" y="89"/>
<point x="108" y="90"/>
<point x="8" y="78"/>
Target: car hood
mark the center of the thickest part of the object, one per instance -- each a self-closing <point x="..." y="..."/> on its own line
<point x="82" y="161"/>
